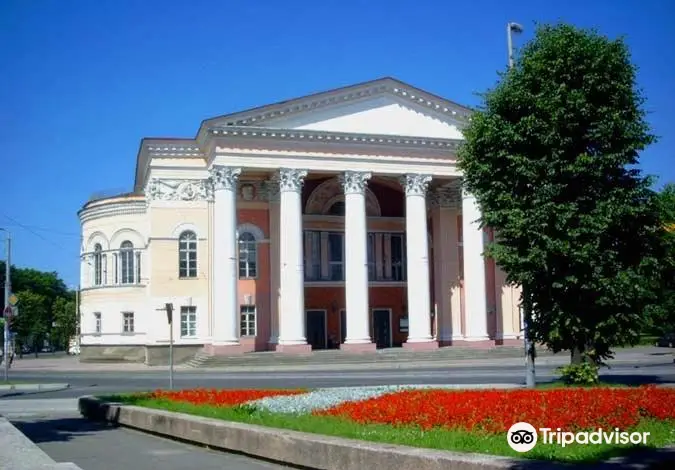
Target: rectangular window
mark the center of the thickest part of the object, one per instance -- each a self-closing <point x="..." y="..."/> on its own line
<point x="247" y="320"/>
<point x="313" y="257"/>
<point x="187" y="256"/>
<point x="116" y="268"/>
<point x="398" y="258"/>
<point x="336" y="249"/>
<point x="128" y="322"/>
<point x="138" y="267"/>
<point x="371" y="257"/>
<point x="188" y="322"/>
<point x="104" y="262"/>
<point x="97" y="323"/>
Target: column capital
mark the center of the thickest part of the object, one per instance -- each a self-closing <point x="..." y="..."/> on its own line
<point x="271" y="188"/>
<point x="224" y="177"/>
<point x="445" y="198"/>
<point x="415" y="184"/>
<point x="291" y="179"/>
<point x="354" y="182"/>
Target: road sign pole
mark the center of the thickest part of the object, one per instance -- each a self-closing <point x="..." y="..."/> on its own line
<point x="168" y="307"/>
<point x="8" y="288"/>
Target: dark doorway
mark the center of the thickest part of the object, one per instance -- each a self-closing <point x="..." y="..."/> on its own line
<point x="382" y="327"/>
<point x="316" y="328"/>
<point x="343" y="326"/>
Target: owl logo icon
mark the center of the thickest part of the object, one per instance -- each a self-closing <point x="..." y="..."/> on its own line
<point x="522" y="437"/>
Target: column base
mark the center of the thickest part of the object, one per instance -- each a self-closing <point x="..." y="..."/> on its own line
<point x="478" y="343"/>
<point x="358" y="347"/>
<point x="223" y="349"/>
<point x="421" y="346"/>
<point x="451" y="341"/>
<point x="293" y="348"/>
<point x="510" y="342"/>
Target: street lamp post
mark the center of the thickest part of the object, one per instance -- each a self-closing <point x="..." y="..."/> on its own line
<point x="8" y="288"/>
<point x="515" y="28"/>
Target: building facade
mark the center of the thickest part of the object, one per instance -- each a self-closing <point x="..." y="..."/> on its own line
<point x="335" y="220"/>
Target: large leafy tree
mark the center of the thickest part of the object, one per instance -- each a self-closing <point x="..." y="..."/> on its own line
<point x="662" y="313"/>
<point x="44" y="300"/>
<point x="551" y="158"/>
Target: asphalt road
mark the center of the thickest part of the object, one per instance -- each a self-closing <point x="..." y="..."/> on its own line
<point x="66" y="437"/>
<point x="657" y="370"/>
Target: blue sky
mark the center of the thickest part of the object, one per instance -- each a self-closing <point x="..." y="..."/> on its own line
<point x="82" y="81"/>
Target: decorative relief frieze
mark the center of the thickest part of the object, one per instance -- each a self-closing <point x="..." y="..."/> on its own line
<point x="444" y="197"/>
<point x="291" y="179"/>
<point x="177" y="190"/>
<point x="354" y="182"/>
<point x="224" y="177"/>
<point x="415" y="184"/>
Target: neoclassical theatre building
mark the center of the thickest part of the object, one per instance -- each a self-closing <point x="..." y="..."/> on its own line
<point x="336" y="220"/>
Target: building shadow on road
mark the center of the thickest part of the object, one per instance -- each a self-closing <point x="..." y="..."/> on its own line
<point x="59" y="429"/>
<point x="636" y="458"/>
<point x="637" y="379"/>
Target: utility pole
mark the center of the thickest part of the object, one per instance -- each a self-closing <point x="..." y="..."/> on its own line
<point x="168" y="307"/>
<point x="7" y="307"/>
<point x="512" y="28"/>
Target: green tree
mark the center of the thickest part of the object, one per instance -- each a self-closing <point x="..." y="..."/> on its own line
<point x="32" y="324"/>
<point x="550" y="157"/>
<point x="65" y="322"/>
<point x="662" y="313"/>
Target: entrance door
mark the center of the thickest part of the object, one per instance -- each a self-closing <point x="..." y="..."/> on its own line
<point x="382" y="327"/>
<point x="343" y="326"/>
<point x="316" y="328"/>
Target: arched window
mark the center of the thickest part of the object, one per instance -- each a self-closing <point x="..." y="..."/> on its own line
<point x="127" y="262"/>
<point x="338" y="208"/>
<point x="98" y="264"/>
<point x="248" y="256"/>
<point x="187" y="254"/>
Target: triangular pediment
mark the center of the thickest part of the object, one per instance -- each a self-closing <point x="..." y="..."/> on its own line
<point x="385" y="107"/>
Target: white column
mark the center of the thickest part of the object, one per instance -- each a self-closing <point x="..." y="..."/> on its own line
<point x="446" y="265"/>
<point x="292" y="276"/>
<point x="273" y="199"/>
<point x="417" y="243"/>
<point x="356" y="281"/>
<point x="474" y="270"/>
<point x="224" y="256"/>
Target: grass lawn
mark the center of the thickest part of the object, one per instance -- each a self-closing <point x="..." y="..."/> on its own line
<point x="662" y="433"/>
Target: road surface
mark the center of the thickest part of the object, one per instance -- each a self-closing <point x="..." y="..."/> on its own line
<point x="56" y="427"/>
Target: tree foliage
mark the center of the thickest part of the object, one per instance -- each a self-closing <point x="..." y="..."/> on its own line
<point x="550" y="157"/>
<point x="46" y="307"/>
<point x="662" y="313"/>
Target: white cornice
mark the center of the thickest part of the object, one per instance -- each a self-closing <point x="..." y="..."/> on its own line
<point x="112" y="209"/>
<point x="332" y="137"/>
<point x="174" y="151"/>
<point x="345" y="95"/>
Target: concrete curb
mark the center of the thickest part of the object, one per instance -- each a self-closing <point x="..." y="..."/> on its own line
<point x="33" y="387"/>
<point x="20" y="453"/>
<point x="310" y="451"/>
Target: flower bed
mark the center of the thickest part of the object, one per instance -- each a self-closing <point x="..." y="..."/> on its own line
<point x="438" y="418"/>
<point x="214" y="397"/>
<point x="494" y="411"/>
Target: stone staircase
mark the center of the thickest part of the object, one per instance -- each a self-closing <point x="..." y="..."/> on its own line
<point x="332" y="356"/>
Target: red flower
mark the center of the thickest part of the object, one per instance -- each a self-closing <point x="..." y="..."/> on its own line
<point x="214" y="397"/>
<point x="496" y="410"/>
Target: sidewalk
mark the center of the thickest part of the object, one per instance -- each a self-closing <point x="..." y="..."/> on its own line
<point x="628" y="356"/>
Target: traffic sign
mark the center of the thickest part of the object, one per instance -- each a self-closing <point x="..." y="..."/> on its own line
<point x="13" y="299"/>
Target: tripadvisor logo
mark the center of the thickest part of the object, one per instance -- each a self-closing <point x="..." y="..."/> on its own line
<point x="522" y="437"/>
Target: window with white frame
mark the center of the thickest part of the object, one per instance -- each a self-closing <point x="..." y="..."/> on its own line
<point x="97" y="323"/>
<point x="188" y="321"/>
<point x="98" y="264"/>
<point x="127" y="322"/>
<point x="248" y="320"/>
<point x="248" y="256"/>
<point x="127" y="260"/>
<point x="187" y="255"/>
